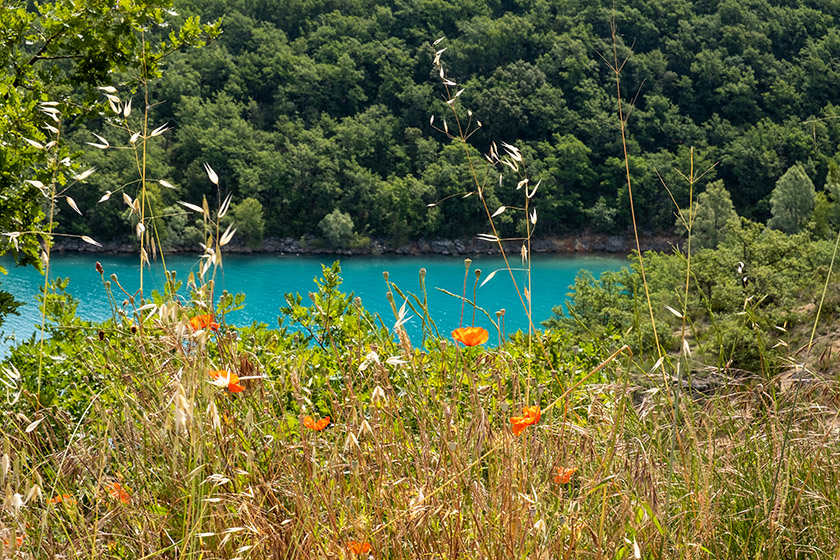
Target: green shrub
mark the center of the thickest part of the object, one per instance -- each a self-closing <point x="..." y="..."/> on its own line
<point x="337" y="229"/>
<point x="247" y="217"/>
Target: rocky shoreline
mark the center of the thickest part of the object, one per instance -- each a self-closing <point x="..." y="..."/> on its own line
<point x="569" y="244"/>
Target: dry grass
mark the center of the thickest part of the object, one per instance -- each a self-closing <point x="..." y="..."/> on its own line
<point x="420" y="461"/>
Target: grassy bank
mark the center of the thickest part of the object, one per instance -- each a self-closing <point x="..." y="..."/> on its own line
<point x="131" y="449"/>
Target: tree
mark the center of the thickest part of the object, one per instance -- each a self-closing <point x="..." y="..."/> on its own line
<point x="337" y="228"/>
<point x="715" y="217"/>
<point x="52" y="56"/>
<point x="247" y="217"/>
<point x="792" y="201"/>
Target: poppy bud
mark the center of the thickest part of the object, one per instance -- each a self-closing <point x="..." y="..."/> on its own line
<point x="99" y="267"/>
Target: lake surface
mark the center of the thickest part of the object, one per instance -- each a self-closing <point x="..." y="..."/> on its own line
<point x="266" y="278"/>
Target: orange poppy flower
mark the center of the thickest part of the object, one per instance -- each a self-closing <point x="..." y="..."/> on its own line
<point x="225" y="378"/>
<point x="66" y="498"/>
<point x="117" y="491"/>
<point x="18" y="541"/>
<point x="564" y="475"/>
<point x="310" y="423"/>
<point x="530" y="416"/>
<point x="359" y="547"/>
<point x="471" y="336"/>
<point x="204" y="322"/>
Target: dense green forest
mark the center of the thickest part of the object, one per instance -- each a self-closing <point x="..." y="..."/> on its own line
<point x="309" y="109"/>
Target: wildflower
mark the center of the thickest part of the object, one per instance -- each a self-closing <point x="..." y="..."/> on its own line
<point x="471" y="336"/>
<point x="310" y="423"/>
<point x="204" y="322"/>
<point x="564" y="475"/>
<point x="530" y="416"/>
<point x="18" y="541"/>
<point x="224" y="378"/>
<point x="66" y="498"/>
<point x="359" y="547"/>
<point x="118" y="492"/>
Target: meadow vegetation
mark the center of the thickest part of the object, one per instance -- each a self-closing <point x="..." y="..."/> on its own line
<point x="684" y="407"/>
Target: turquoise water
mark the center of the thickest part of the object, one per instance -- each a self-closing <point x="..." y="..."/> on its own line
<point x="265" y="278"/>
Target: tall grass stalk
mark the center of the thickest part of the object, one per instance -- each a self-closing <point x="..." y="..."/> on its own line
<point x="45" y="254"/>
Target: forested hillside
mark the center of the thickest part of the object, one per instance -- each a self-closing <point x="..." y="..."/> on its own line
<point x="304" y="108"/>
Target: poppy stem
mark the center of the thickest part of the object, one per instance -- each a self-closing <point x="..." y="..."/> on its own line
<point x="467" y="263"/>
<point x="475" y="289"/>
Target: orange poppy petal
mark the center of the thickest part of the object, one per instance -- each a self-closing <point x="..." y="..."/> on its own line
<point x="471" y="336"/>
<point x="204" y="321"/>
<point x="116" y="490"/>
<point x="235" y="388"/>
<point x="59" y="498"/>
<point x="458" y="335"/>
<point x="359" y="547"/>
<point x="518" y="427"/>
<point x="310" y="423"/>
<point x="564" y="475"/>
<point x="18" y="541"/>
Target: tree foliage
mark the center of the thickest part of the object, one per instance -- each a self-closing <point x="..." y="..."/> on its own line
<point x="756" y="279"/>
<point x="308" y="108"/>
<point x="53" y="55"/>
<point x="715" y="218"/>
<point x="337" y="228"/>
<point x="248" y="218"/>
<point x="792" y="201"/>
